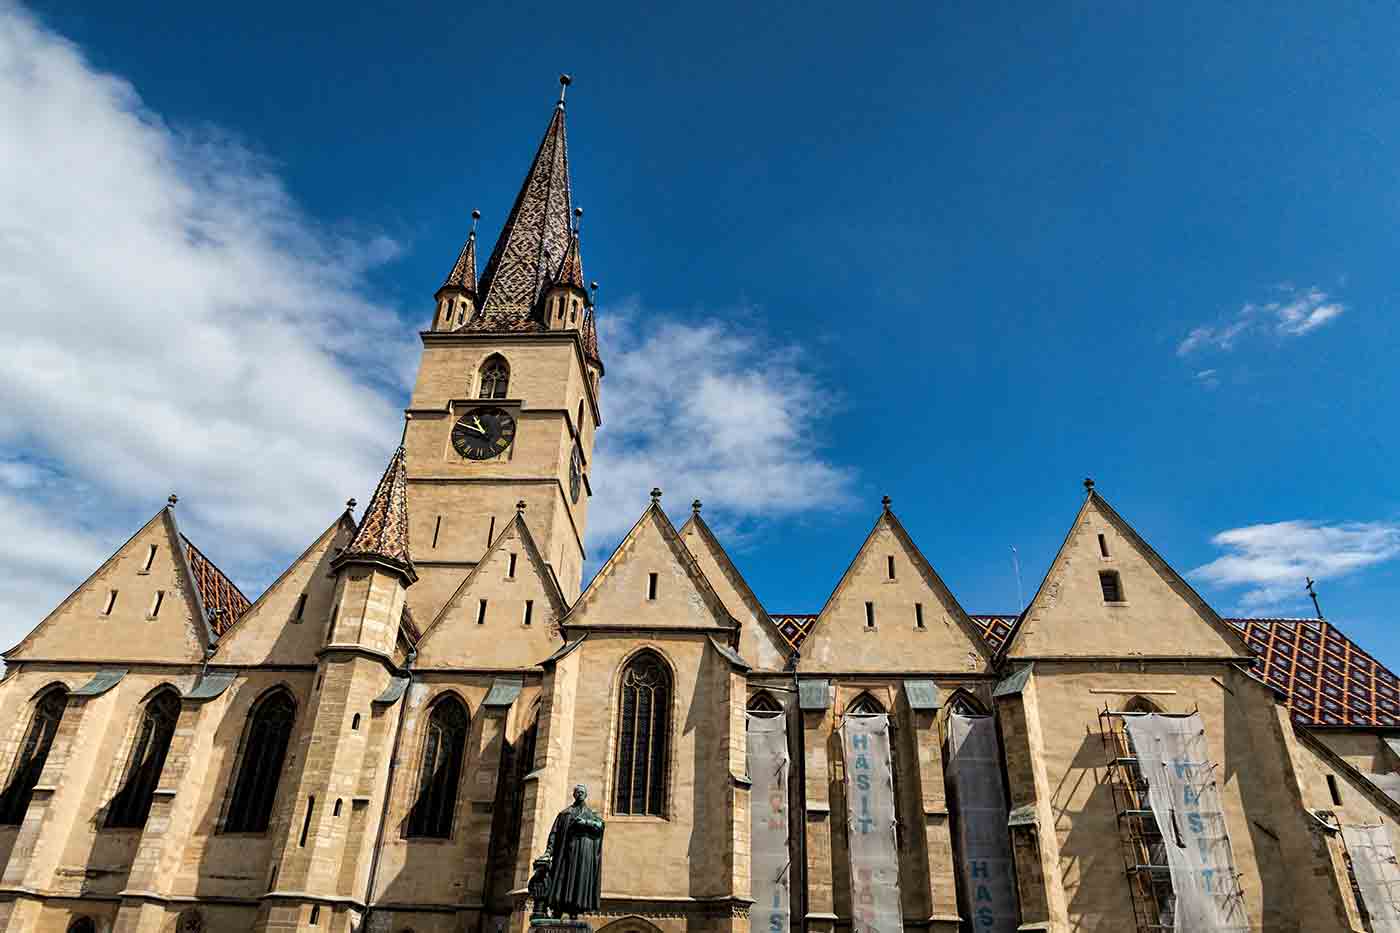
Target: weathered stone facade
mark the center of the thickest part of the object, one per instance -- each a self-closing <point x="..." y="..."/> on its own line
<point x="460" y="588"/>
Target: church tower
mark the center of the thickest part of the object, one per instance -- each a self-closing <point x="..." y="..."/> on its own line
<point x="506" y="406"/>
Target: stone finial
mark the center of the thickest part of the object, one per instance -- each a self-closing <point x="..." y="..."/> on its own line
<point x="885" y="503"/>
<point x="520" y="507"/>
<point x="350" y="504"/>
<point x="656" y="495"/>
<point x="578" y="218"/>
<point x="1088" y="484"/>
<point x="695" y="506"/>
<point x="171" y="500"/>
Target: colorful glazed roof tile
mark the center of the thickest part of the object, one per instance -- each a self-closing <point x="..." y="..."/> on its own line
<point x="1328" y="679"/>
<point x="571" y="268"/>
<point x="590" y="337"/>
<point x="538" y="227"/>
<point x="995" y="629"/>
<point x="223" y="601"/>
<point x="383" y="532"/>
<point x="794" y="627"/>
<point x="463" y="274"/>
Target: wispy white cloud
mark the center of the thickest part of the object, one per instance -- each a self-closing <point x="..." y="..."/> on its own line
<point x="173" y="321"/>
<point x="708" y="410"/>
<point x="1295" y="313"/>
<point x="1272" y="561"/>
<point x="1209" y="378"/>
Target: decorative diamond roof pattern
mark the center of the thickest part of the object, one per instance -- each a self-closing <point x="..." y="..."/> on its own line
<point x="1328" y="679"/>
<point x="571" y="268"/>
<point x="794" y="627"/>
<point x="463" y="274"/>
<point x="589" y="331"/>
<point x="223" y="601"/>
<point x="383" y="532"/>
<point x="537" y="232"/>
<point x="994" y="629"/>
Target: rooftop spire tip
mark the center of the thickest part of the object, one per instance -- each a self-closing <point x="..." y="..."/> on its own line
<point x="564" y="82"/>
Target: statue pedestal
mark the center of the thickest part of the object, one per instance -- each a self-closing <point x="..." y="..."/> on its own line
<point x="559" y="925"/>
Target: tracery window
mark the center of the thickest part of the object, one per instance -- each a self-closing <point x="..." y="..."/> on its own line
<point x="643" y="736"/>
<point x="964" y="704"/>
<point x="132" y="803"/>
<point x="763" y="704"/>
<point x="24" y="775"/>
<point x="495" y="377"/>
<point x="867" y="705"/>
<point x="441" y="771"/>
<point x="267" y="735"/>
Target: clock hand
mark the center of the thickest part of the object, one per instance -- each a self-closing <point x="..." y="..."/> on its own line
<point x="477" y="422"/>
<point x="467" y="427"/>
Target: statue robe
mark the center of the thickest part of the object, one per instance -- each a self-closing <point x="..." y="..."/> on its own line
<point x="576" y="866"/>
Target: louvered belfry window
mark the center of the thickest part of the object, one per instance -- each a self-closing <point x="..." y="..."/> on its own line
<point x="441" y="771"/>
<point x="269" y="731"/>
<point x="14" y="802"/>
<point x="643" y="737"/>
<point x="132" y="804"/>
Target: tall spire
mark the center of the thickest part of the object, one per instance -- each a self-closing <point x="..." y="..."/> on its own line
<point x="538" y="227"/>
<point x="463" y="275"/>
<point x="382" y="536"/>
<point x="571" y="269"/>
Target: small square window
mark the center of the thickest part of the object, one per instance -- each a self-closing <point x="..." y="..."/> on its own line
<point x="1112" y="590"/>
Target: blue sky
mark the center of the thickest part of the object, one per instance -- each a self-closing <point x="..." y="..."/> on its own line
<point x="962" y="254"/>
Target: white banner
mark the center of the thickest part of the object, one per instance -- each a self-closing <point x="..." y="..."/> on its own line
<point x="769" y="860"/>
<point x="870" y="825"/>
<point x="986" y="873"/>
<point x="1181" y="790"/>
<point x="1373" y="863"/>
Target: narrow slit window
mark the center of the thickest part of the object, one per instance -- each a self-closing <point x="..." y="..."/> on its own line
<point x="1103" y="546"/>
<point x="355" y="723"/>
<point x="306" y="821"/>
<point x="529" y="610"/>
<point x="481" y="612"/>
<point x="155" y="603"/>
<point x="511" y="572"/>
<point x="315" y="914"/>
<point x="437" y="529"/>
<point x="889" y="566"/>
<point x="300" y="612"/>
<point x="869" y="615"/>
<point x="1112" y="589"/>
<point x="110" y="604"/>
<point x="918" y="615"/>
<point x="491" y="531"/>
<point x="336" y="811"/>
<point x="1334" y="790"/>
<point x="651" y="586"/>
<point x="150" y="559"/>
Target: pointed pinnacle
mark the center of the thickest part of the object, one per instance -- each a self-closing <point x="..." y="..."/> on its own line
<point x="172" y="500"/>
<point x="350" y="504"/>
<point x="1088" y="484"/>
<point x="520" y="507"/>
<point x="885" y="503"/>
<point x="695" y="506"/>
<point x="656" y="494"/>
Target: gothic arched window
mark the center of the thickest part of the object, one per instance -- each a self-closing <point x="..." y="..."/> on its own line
<point x="763" y="704"/>
<point x="965" y="704"/>
<point x="865" y="705"/>
<point x="441" y="771"/>
<point x="82" y="925"/>
<point x="132" y="804"/>
<point x="643" y="736"/>
<point x="265" y="741"/>
<point x="14" y="802"/>
<point x="495" y="377"/>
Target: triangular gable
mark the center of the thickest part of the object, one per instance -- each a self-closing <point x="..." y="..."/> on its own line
<point x="157" y="614"/>
<point x="618" y="594"/>
<point x="843" y="640"/>
<point x="461" y="636"/>
<point x="759" y="639"/>
<point x="1159" y="614"/>
<point x="287" y="623"/>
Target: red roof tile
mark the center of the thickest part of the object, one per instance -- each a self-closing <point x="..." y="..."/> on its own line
<point x="223" y="601"/>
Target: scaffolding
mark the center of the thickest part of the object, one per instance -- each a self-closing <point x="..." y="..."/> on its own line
<point x="1143" y="844"/>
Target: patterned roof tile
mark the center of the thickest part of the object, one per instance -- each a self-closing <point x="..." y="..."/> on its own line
<point x="383" y="532"/>
<point x="463" y="274"/>
<point x="223" y="601"/>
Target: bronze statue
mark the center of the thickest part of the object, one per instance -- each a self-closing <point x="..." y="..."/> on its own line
<point x="568" y="878"/>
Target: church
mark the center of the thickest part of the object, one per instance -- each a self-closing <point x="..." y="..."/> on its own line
<point x="381" y="740"/>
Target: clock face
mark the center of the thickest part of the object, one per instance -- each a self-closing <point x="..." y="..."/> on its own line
<point x="483" y="433"/>
<point x="575" y="475"/>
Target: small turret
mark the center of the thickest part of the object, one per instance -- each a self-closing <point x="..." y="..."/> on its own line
<point x="456" y="298"/>
<point x="566" y="298"/>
